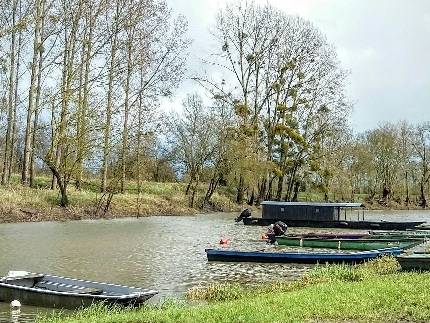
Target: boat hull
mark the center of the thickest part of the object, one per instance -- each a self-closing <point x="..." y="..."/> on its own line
<point x="64" y="293"/>
<point x="364" y="225"/>
<point x="299" y="257"/>
<point x="61" y="301"/>
<point x="414" y="262"/>
<point x="332" y="235"/>
<point x="346" y="244"/>
<point x="400" y="234"/>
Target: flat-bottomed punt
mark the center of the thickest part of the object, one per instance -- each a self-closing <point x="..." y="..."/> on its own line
<point x="347" y="244"/>
<point x="297" y="257"/>
<point x="69" y="293"/>
<point x="414" y="261"/>
<point x="400" y="234"/>
<point x="331" y="235"/>
<point x="341" y="224"/>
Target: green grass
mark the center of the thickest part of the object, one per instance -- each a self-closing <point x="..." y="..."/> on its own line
<point x="319" y="274"/>
<point x="376" y="292"/>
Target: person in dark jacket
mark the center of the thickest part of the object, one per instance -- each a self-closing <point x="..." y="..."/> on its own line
<point x="245" y="214"/>
<point x="279" y="228"/>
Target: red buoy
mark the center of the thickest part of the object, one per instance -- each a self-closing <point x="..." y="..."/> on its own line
<point x="224" y="241"/>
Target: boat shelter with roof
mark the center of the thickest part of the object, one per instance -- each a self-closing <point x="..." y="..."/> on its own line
<point x="312" y="211"/>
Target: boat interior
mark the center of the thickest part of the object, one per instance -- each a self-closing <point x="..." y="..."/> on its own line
<point x="40" y="281"/>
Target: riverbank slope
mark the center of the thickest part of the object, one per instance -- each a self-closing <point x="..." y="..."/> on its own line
<point x="23" y="204"/>
<point x="374" y="292"/>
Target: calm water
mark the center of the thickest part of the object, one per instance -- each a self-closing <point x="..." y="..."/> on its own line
<point x="163" y="253"/>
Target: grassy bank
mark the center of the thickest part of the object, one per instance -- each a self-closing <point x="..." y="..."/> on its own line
<point x="19" y="203"/>
<point x="375" y="292"/>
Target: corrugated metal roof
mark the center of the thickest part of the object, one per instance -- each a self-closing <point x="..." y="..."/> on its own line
<point x="319" y="204"/>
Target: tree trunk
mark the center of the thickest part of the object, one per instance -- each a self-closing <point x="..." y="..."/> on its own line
<point x="28" y="128"/>
<point x="7" y="148"/>
<point x="252" y="198"/>
<point x="270" y="189"/>
<point x="193" y="195"/>
<point x="280" y="187"/>
<point x="211" y="190"/>
<point x="33" y="144"/>
<point x="423" y="200"/>
<point x="107" y="128"/>
<point x="240" y="190"/>
<point x="62" y="184"/>
<point x="80" y="117"/>
<point x="407" y="200"/>
<point x="296" y="191"/>
<point x="15" y="105"/>
<point x="37" y="103"/>
<point x="262" y="191"/>
<point x="66" y="87"/>
<point x="291" y="182"/>
<point x="82" y="137"/>
<point x="124" y="150"/>
<point x="187" y="190"/>
<point x="139" y="139"/>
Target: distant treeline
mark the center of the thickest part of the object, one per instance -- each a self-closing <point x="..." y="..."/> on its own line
<point x="82" y="81"/>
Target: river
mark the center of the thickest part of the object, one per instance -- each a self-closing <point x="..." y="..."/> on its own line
<point x="163" y="253"/>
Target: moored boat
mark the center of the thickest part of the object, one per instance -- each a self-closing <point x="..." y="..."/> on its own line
<point x="347" y="244"/>
<point x="62" y="292"/>
<point x="331" y="235"/>
<point x="368" y="236"/>
<point x="359" y="225"/>
<point x="397" y="234"/>
<point x="414" y="261"/>
<point x="322" y="215"/>
<point x="297" y="257"/>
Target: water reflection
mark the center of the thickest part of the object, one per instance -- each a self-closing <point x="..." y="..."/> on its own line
<point x="26" y="314"/>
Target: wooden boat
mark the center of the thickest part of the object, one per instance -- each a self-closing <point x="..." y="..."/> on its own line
<point x="408" y="233"/>
<point x="347" y="244"/>
<point x="331" y="235"/>
<point x="61" y="292"/>
<point x="361" y="225"/>
<point x="297" y="257"/>
<point x="397" y="237"/>
<point x="352" y="235"/>
<point x="414" y="261"/>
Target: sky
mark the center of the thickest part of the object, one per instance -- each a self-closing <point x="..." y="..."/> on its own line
<point x="383" y="44"/>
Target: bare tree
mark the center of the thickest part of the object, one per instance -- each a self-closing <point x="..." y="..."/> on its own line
<point x="285" y="84"/>
<point x="194" y="141"/>
<point x="422" y="148"/>
<point x="11" y="88"/>
<point x="111" y="75"/>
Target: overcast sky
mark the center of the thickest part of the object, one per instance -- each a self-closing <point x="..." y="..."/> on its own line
<point x="384" y="44"/>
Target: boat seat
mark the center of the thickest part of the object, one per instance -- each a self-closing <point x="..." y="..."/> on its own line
<point x="29" y="276"/>
<point x="62" y="287"/>
<point x="29" y="280"/>
<point x="92" y="291"/>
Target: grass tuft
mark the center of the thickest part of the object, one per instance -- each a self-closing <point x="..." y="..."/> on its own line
<point x="217" y="292"/>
